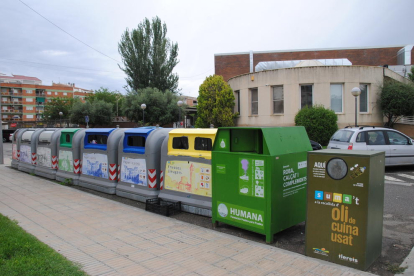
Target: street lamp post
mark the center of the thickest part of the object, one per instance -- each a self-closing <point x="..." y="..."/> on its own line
<point x="179" y="103"/>
<point x="143" y="106"/>
<point x="356" y="92"/>
<point x="60" y="114"/>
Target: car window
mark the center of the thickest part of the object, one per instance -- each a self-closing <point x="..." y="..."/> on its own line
<point x="361" y="137"/>
<point x="397" y="138"/>
<point x="375" y="138"/>
<point x="342" y="136"/>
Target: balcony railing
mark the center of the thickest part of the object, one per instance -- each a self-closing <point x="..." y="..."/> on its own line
<point x="12" y="102"/>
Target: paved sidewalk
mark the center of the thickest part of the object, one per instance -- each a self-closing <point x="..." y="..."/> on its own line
<point x="109" y="238"/>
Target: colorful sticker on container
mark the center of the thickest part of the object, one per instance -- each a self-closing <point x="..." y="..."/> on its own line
<point x="240" y="214"/>
<point x="44" y="156"/>
<point x="25" y="154"/>
<point x="134" y="171"/>
<point x="188" y="177"/>
<point x="251" y="177"/>
<point x="95" y="164"/>
<point x="14" y="152"/>
<point x="65" y="161"/>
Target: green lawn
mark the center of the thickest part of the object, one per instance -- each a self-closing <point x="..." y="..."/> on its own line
<point x="22" y="254"/>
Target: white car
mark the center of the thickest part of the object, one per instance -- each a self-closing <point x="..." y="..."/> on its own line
<point x="398" y="147"/>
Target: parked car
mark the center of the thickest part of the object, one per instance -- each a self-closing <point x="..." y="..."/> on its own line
<point x="315" y="145"/>
<point x="398" y="147"/>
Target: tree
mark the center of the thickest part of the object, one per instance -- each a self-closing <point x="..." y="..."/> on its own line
<point x="411" y="75"/>
<point x="161" y="107"/>
<point x="113" y="97"/>
<point x="396" y="100"/>
<point x="215" y="103"/>
<point x="320" y="123"/>
<point x="149" y="57"/>
<point x="56" y="105"/>
<point x="99" y="112"/>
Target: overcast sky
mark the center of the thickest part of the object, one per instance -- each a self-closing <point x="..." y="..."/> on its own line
<point x="32" y="46"/>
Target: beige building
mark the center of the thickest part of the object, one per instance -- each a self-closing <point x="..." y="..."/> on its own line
<point x="273" y="97"/>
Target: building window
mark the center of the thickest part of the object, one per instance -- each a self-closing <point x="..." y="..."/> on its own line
<point x="29" y="108"/>
<point x="65" y="94"/>
<point x="29" y="100"/>
<point x="255" y="101"/>
<point x="56" y="93"/>
<point x="29" y="91"/>
<point x="278" y="100"/>
<point x="363" y="98"/>
<point x="237" y="103"/>
<point x="49" y="93"/>
<point x="336" y="97"/>
<point x="306" y="95"/>
<point x="29" y="116"/>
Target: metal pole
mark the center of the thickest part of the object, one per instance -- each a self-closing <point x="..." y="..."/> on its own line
<point x="356" y="107"/>
<point x="179" y="117"/>
<point x="143" y="118"/>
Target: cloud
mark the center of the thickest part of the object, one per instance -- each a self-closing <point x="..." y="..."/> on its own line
<point x="54" y="53"/>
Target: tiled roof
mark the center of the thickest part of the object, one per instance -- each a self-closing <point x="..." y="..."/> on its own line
<point x="19" y="77"/>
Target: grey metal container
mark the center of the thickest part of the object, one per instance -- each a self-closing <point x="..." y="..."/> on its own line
<point x="99" y="151"/>
<point x="46" y="153"/>
<point x="27" y="159"/>
<point x="69" y="157"/>
<point x="139" y="163"/>
<point x="16" y="139"/>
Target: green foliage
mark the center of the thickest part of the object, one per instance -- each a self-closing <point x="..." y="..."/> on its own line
<point x="215" y="103"/>
<point x="113" y="97"/>
<point x="149" y="57"/>
<point x="23" y="254"/>
<point x="396" y="100"/>
<point x="57" y="105"/>
<point x="66" y="182"/>
<point x="99" y="112"/>
<point x="161" y="107"/>
<point x="411" y="75"/>
<point x="320" y="123"/>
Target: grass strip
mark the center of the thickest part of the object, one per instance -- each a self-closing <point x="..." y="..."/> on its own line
<point x="23" y="254"/>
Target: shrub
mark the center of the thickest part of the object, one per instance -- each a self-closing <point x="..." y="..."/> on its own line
<point x="320" y="123"/>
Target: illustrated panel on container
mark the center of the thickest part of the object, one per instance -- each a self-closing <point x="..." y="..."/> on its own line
<point x="188" y="177"/>
<point x="134" y="171"/>
<point x="65" y="161"/>
<point x="95" y="164"/>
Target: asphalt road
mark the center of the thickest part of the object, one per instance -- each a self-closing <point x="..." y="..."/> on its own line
<point x="398" y="230"/>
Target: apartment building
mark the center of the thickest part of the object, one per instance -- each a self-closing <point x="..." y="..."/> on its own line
<point x="23" y="98"/>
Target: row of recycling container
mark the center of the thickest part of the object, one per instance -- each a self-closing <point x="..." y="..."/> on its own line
<point x="250" y="168"/>
<point x="260" y="179"/>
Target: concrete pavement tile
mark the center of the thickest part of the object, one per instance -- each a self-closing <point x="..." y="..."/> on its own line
<point x="226" y="252"/>
<point x="229" y="264"/>
<point x="303" y="264"/>
<point x="289" y="271"/>
<point x="326" y="270"/>
<point x="97" y="269"/>
<point x="105" y="255"/>
<point x="267" y="265"/>
<point x="119" y="262"/>
<point x="211" y="270"/>
<point x="249" y="270"/>
<point x="159" y="250"/>
<point x="141" y="256"/>
<point x="101" y="238"/>
<point x="134" y="270"/>
<point x="126" y="250"/>
<point x="146" y="245"/>
<point x="175" y="257"/>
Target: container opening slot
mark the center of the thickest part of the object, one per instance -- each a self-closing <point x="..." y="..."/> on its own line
<point x="97" y="139"/>
<point x="246" y="140"/>
<point x="202" y="143"/>
<point x="180" y="142"/>
<point x="136" y="141"/>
